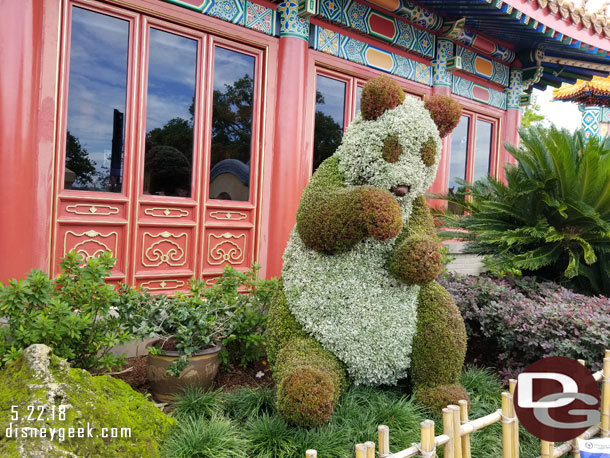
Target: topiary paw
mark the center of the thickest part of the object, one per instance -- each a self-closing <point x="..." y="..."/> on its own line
<point x="381" y="213"/>
<point x="306" y="396"/>
<point x="438" y="397"/>
<point x="416" y="260"/>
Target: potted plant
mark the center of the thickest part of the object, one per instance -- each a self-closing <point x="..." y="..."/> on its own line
<point x="191" y="327"/>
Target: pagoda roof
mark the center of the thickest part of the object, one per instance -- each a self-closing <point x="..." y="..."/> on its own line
<point x="592" y="93"/>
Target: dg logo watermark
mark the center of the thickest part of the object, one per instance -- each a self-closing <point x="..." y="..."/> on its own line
<point x="557" y="399"/>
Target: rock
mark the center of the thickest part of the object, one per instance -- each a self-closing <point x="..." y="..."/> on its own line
<point x="48" y="410"/>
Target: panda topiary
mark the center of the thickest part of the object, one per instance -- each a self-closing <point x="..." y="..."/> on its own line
<point x="358" y="302"/>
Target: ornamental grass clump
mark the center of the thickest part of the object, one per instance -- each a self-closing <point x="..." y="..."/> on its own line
<point x="551" y="218"/>
<point x="512" y="322"/>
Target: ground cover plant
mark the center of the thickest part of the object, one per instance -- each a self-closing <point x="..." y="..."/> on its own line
<point x="512" y="322"/>
<point x="245" y="423"/>
<point x="551" y="218"/>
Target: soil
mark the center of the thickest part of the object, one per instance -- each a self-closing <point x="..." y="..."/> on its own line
<point x="233" y="378"/>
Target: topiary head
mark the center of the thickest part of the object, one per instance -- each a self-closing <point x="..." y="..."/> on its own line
<point x="379" y="95"/>
<point x="445" y="112"/>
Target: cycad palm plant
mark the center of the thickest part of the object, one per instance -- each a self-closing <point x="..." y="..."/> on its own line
<point x="551" y="218"/>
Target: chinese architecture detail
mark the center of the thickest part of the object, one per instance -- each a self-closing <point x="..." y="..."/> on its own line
<point x="482" y="66"/>
<point x="413" y="13"/>
<point x="591" y="117"/>
<point x="474" y="91"/>
<point x="348" y="48"/>
<point x="444" y="52"/>
<point x="456" y="31"/>
<point x="242" y="12"/>
<point x="514" y="91"/>
<point x="291" y="24"/>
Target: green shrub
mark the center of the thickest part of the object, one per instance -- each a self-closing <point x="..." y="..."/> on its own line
<point x="77" y="314"/>
<point x="306" y="396"/>
<point x="270" y="437"/>
<point x="439" y="346"/>
<point x="249" y="402"/>
<point x="194" y="401"/>
<point x="445" y="112"/>
<point x="380" y="94"/>
<point x="436" y="398"/>
<point x="198" y="437"/>
<point x="552" y="217"/>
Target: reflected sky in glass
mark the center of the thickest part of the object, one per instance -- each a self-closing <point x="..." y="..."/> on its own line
<point x="172" y="68"/>
<point x="459" y="149"/>
<point x="358" y="97"/>
<point x="98" y="85"/>
<point x="482" y="149"/>
<point x="333" y="92"/>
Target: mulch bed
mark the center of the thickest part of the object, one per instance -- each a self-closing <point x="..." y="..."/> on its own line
<point x="235" y="377"/>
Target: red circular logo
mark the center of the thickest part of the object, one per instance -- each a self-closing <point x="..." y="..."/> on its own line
<point x="557" y="399"/>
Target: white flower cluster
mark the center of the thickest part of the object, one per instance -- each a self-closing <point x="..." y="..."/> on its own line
<point x="354" y="307"/>
<point x="360" y="152"/>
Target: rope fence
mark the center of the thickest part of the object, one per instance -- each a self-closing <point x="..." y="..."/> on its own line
<point x="457" y="429"/>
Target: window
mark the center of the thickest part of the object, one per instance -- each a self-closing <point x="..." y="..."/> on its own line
<point x="96" y="104"/>
<point x="231" y="125"/>
<point x="472" y="152"/>
<point x="337" y="103"/>
<point x="170" y="110"/>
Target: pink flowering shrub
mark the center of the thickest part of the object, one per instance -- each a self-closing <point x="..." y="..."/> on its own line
<point x="512" y="322"/>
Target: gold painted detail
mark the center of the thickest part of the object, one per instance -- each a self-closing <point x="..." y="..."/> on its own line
<point x="166" y="250"/>
<point x="91" y="246"/>
<point x="228" y="215"/>
<point x="88" y="209"/>
<point x="161" y="212"/>
<point x="163" y="284"/>
<point x="225" y="249"/>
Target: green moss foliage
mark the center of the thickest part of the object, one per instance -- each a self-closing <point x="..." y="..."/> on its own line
<point x="281" y="325"/>
<point x="305" y="397"/>
<point x="332" y="217"/>
<point x="379" y="95"/>
<point x="439" y="345"/>
<point x="100" y="401"/>
<point x="391" y="149"/>
<point x="438" y="397"/>
<point x="445" y="113"/>
<point x="416" y="259"/>
<point x="428" y="152"/>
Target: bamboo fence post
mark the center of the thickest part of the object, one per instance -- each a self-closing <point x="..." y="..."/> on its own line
<point x="360" y="451"/>
<point x="427" y="447"/>
<point x="466" y="437"/>
<point x="512" y="384"/>
<point x="547" y="449"/>
<point x="311" y="454"/>
<point x="605" y="426"/>
<point x="383" y="435"/>
<point x="457" y="437"/>
<point x="507" y="426"/>
<point x="448" y="430"/>
<point x="370" y="449"/>
<point x="575" y="449"/>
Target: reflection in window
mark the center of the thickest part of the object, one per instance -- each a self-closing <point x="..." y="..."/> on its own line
<point x="459" y="150"/>
<point x="96" y="102"/>
<point x="330" y="109"/>
<point x="231" y="125"/>
<point x="170" y="103"/>
<point x="482" y="150"/>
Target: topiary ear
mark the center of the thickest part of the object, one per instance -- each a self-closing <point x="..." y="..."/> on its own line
<point x="445" y="112"/>
<point x="378" y="95"/>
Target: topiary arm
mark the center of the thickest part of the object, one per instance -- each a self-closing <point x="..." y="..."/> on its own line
<point x="416" y="257"/>
<point x="333" y="217"/>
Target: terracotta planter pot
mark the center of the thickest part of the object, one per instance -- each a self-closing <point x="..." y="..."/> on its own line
<point x="201" y="371"/>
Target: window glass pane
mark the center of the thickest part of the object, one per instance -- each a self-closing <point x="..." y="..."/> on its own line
<point x="231" y="125"/>
<point x="170" y="108"/>
<point x="330" y="108"/>
<point x="96" y="102"/>
<point x="358" y="96"/>
<point x="459" y="150"/>
<point x="482" y="149"/>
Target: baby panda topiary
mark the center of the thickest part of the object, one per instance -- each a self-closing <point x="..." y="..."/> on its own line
<point x="358" y="302"/>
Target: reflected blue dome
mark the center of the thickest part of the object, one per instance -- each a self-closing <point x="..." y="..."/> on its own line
<point x="233" y="166"/>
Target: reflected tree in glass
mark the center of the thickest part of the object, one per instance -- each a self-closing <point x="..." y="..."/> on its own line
<point x="329" y="118"/>
<point x="232" y="111"/>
